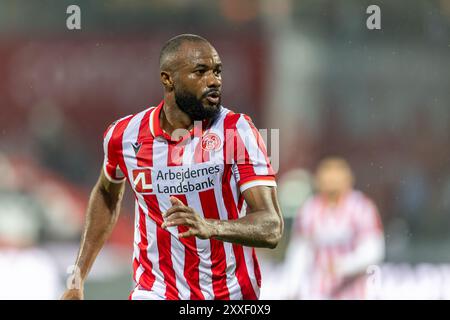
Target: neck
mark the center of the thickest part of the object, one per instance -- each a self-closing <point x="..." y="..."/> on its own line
<point x="172" y="117"/>
<point x="334" y="198"/>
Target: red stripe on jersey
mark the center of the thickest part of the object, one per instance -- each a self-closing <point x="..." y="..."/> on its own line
<point x="242" y="274"/>
<point x="144" y="158"/>
<point x="135" y="267"/>
<point x="210" y="211"/>
<point x="241" y="269"/>
<point x="218" y="257"/>
<point x="229" y="141"/>
<point x="147" y="278"/>
<point x="191" y="260"/>
<point x="163" y="240"/>
<point x="256" y="268"/>
<point x="115" y="144"/>
<point x="242" y="158"/>
<point x="260" y="143"/>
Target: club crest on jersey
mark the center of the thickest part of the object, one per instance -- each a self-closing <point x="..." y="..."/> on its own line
<point x="142" y="180"/>
<point x="211" y="142"/>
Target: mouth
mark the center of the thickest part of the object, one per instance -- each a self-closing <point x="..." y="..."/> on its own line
<point x="213" y="97"/>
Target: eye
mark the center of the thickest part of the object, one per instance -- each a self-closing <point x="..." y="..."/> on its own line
<point x="199" y="72"/>
<point x="217" y="72"/>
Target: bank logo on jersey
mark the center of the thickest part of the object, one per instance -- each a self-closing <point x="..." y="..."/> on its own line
<point x="142" y="180"/>
<point x="176" y="180"/>
<point x="211" y="142"/>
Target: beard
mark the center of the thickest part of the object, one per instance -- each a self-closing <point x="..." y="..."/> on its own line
<point x="193" y="107"/>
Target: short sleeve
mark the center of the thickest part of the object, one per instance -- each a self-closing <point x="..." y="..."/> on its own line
<point x="367" y="219"/>
<point x="252" y="166"/>
<point x="302" y="224"/>
<point x="110" y="163"/>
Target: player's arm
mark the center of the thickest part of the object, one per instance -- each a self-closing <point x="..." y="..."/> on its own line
<point x="369" y="241"/>
<point x="262" y="226"/>
<point x="369" y="249"/>
<point x="101" y="217"/>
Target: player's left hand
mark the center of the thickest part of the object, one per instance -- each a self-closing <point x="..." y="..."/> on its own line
<point x="181" y="215"/>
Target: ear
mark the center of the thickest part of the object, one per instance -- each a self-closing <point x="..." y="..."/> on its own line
<point x="166" y="80"/>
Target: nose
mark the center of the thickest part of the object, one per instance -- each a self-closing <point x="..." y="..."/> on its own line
<point x="214" y="81"/>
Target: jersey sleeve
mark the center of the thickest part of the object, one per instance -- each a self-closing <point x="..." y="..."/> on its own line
<point x="302" y="224"/>
<point x="252" y="166"/>
<point x="368" y="243"/>
<point x="367" y="220"/>
<point x="110" y="163"/>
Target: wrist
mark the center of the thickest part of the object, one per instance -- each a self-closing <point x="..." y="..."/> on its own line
<point x="213" y="228"/>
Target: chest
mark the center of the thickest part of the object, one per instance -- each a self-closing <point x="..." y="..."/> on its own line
<point x="155" y="166"/>
<point x="333" y="227"/>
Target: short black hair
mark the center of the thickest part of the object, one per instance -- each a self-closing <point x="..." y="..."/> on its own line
<point x="172" y="46"/>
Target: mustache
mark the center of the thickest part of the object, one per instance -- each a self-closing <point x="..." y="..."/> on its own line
<point x="208" y="92"/>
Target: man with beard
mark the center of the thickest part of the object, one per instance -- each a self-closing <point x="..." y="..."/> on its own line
<point x="337" y="238"/>
<point x="205" y="190"/>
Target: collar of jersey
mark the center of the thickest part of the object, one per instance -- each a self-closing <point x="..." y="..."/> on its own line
<point x="157" y="131"/>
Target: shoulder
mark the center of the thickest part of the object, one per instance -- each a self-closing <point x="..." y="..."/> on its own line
<point x="235" y="120"/>
<point x="308" y="207"/>
<point x="117" y="127"/>
<point x="113" y="126"/>
<point x="362" y="201"/>
<point x="313" y="202"/>
<point x="360" y="196"/>
<point x="306" y="214"/>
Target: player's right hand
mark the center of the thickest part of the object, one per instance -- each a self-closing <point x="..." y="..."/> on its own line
<point x="73" y="294"/>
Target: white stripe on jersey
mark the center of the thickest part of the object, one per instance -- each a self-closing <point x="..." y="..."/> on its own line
<point x="159" y="286"/>
<point x="137" y="236"/>
<point x="204" y="252"/>
<point x="160" y="159"/>
<point x="203" y="246"/>
<point x="232" y="282"/>
<point x="105" y="151"/>
<point x="251" y="145"/>
<point x="137" y="239"/>
<point x="251" y="268"/>
<point x="130" y="135"/>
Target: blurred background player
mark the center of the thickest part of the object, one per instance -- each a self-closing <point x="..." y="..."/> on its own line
<point x="27" y="271"/>
<point x="336" y="236"/>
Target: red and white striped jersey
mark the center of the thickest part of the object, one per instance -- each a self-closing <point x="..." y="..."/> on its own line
<point x="208" y="169"/>
<point x="335" y="234"/>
